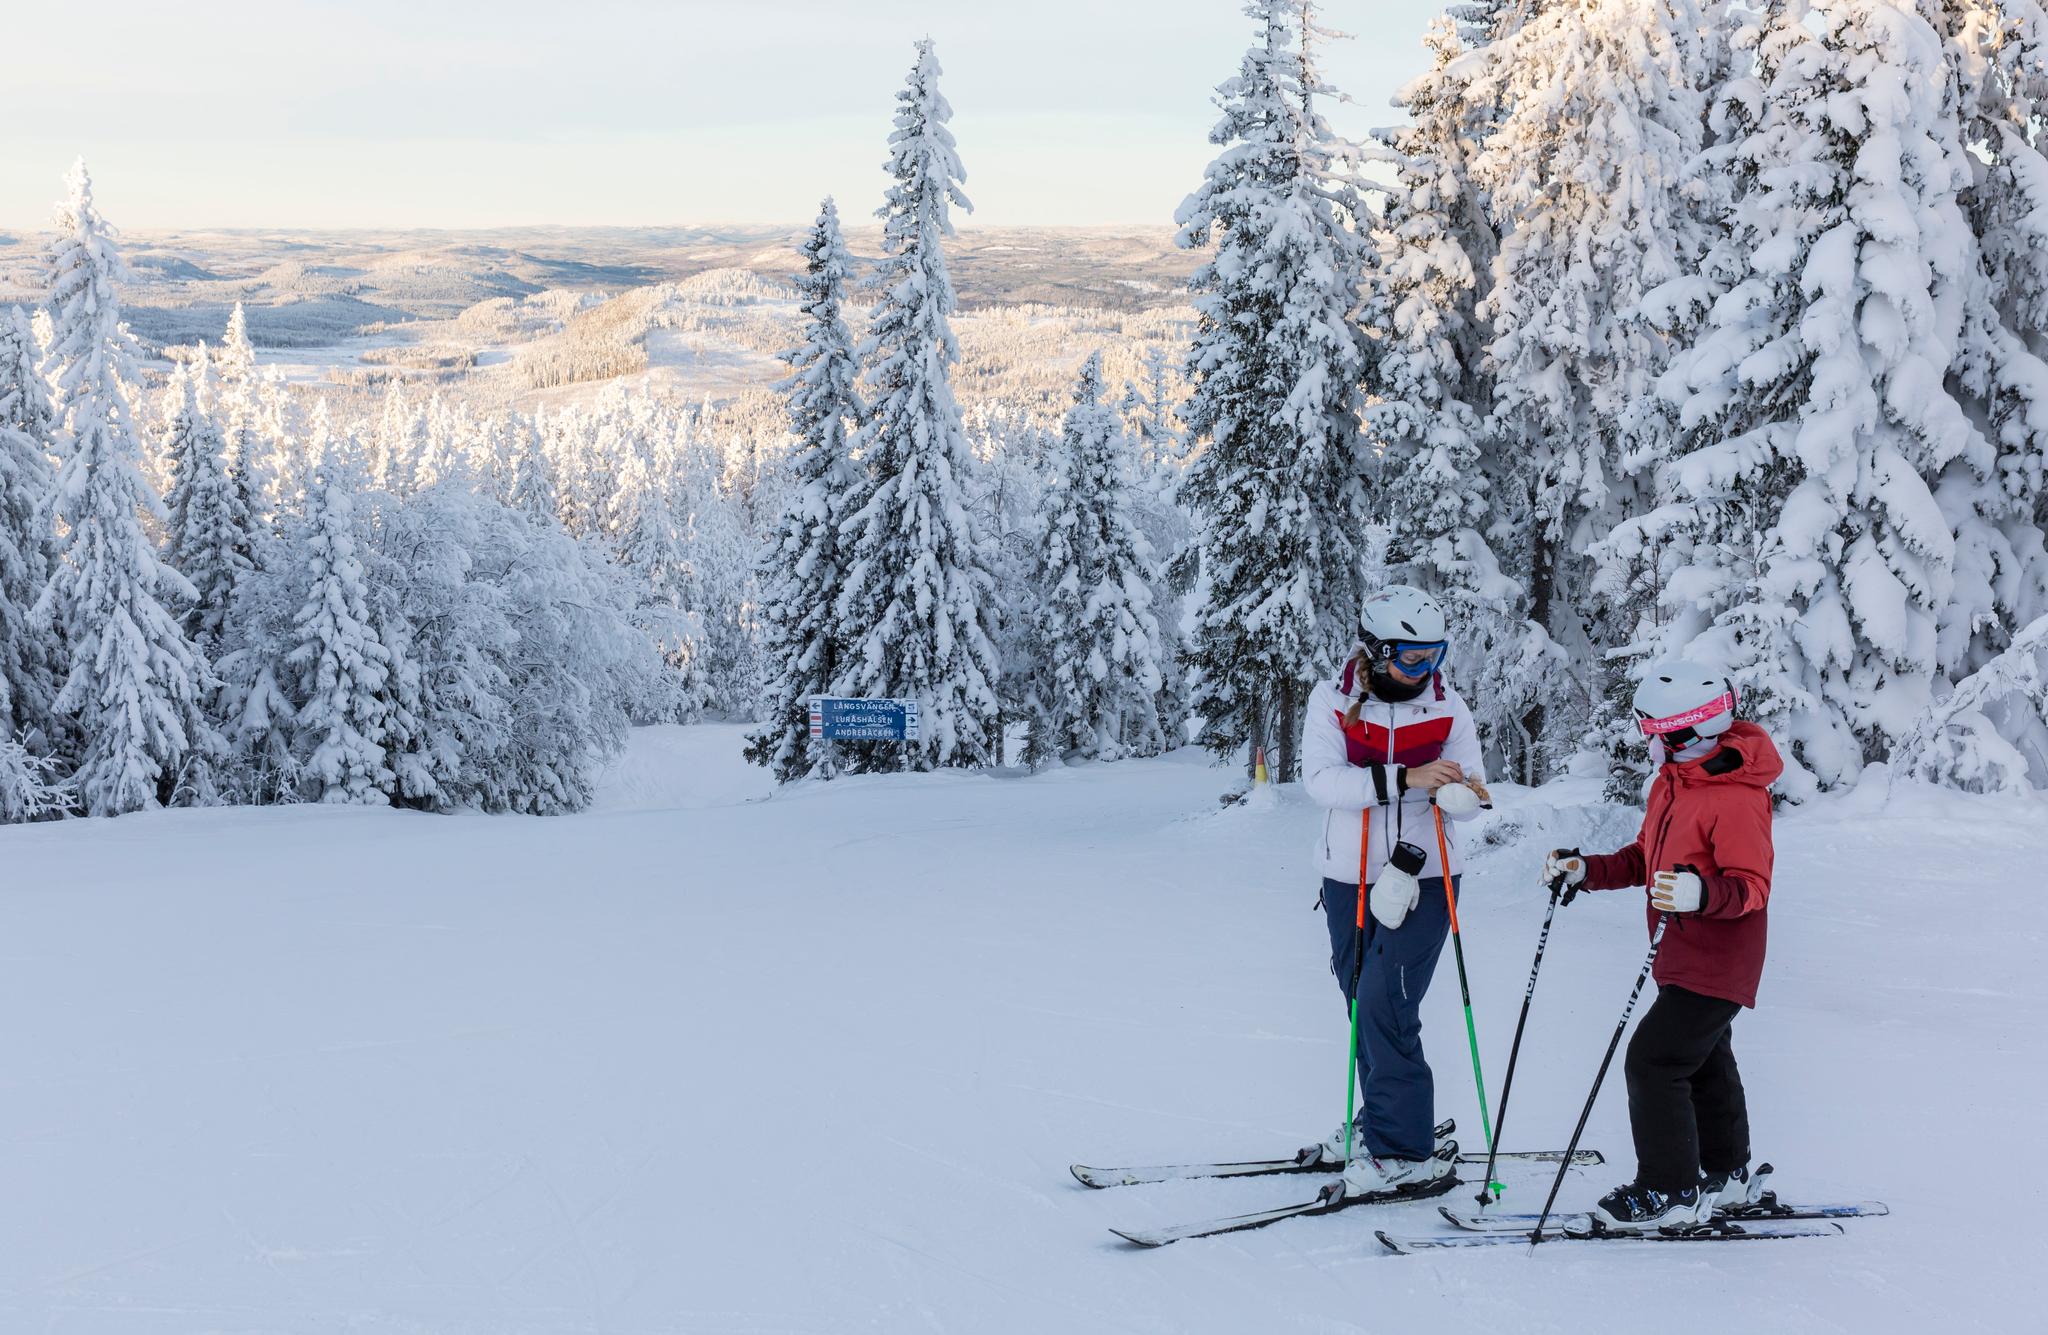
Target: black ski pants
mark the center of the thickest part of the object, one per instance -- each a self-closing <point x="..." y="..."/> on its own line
<point x="1685" y="1101"/>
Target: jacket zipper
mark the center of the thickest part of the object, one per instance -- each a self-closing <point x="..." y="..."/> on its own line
<point x="1394" y="794"/>
<point x="1663" y="833"/>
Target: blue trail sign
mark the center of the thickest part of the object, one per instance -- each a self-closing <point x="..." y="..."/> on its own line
<point x="836" y="719"/>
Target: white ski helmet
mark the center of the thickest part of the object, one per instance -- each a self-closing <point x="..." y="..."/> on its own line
<point x="1680" y="700"/>
<point x="1400" y="614"/>
<point x="1403" y="629"/>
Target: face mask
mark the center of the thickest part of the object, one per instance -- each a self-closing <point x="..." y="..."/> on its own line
<point x="1388" y="687"/>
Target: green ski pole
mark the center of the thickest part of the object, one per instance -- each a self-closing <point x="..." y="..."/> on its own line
<point x="1443" y="852"/>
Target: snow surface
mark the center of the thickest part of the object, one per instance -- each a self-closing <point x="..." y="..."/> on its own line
<point x="709" y="1060"/>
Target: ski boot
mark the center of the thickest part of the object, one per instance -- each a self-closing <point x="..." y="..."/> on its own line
<point x="1333" y="1144"/>
<point x="1369" y="1176"/>
<point x="1636" y="1208"/>
<point x="1732" y="1192"/>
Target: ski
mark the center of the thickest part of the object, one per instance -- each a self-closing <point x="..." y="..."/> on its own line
<point x="1768" y="1209"/>
<point x="1731" y="1232"/>
<point x="1308" y="1159"/>
<point x="1767" y="1206"/>
<point x="1327" y="1201"/>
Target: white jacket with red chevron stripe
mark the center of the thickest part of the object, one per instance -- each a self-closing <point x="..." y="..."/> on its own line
<point x="1350" y="770"/>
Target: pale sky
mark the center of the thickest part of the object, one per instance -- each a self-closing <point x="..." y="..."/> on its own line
<point x="458" y="113"/>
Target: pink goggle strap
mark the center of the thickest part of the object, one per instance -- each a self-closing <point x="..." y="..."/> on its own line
<point x="1655" y="727"/>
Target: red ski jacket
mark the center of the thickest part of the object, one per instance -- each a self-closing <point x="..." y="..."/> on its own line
<point x="1714" y="816"/>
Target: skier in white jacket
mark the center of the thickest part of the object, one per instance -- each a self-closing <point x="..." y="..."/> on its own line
<point x="1382" y="744"/>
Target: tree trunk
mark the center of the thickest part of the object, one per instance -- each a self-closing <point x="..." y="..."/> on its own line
<point x="1287" y="729"/>
<point x="1258" y="740"/>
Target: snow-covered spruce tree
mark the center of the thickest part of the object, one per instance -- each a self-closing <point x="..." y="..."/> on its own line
<point x="134" y="681"/>
<point x="574" y="665"/>
<point x="720" y="569"/>
<point x="451" y="644"/>
<point x="802" y="566"/>
<point x="534" y="493"/>
<point x="338" y="663"/>
<point x="914" y="605"/>
<point x="30" y="653"/>
<point x="1802" y="545"/>
<point x="257" y="718"/>
<point x="1438" y="467"/>
<point x="1997" y="56"/>
<point x="31" y="788"/>
<point x="1012" y="456"/>
<point x="1152" y="419"/>
<point x="239" y="410"/>
<point x="1989" y="734"/>
<point x="1586" y="170"/>
<point x="655" y="551"/>
<point x="1101" y="657"/>
<point x="400" y="453"/>
<point x="1276" y="478"/>
<point x="1995" y="493"/>
<point x="209" y="534"/>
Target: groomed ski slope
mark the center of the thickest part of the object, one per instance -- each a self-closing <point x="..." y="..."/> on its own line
<point x="700" y="1062"/>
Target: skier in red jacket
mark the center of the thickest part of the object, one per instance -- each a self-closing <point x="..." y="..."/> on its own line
<point x="1704" y="855"/>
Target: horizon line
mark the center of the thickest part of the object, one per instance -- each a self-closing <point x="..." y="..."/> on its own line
<point x="960" y="224"/>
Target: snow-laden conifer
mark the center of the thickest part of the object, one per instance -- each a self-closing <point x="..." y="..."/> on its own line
<point x="1275" y="479"/>
<point x="1439" y="463"/>
<point x="1102" y="661"/>
<point x="209" y="534"/>
<point x="534" y="493"/>
<point x="1995" y="493"/>
<point x="656" y="551"/>
<point x="338" y="662"/>
<point x="1989" y="733"/>
<point x="1587" y="171"/>
<point x="134" y="682"/>
<point x="30" y="653"/>
<point x="803" y="564"/>
<point x="1801" y="543"/>
<point x="914" y="605"/>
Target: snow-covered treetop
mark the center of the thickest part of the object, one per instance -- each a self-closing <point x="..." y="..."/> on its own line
<point x="822" y="366"/>
<point x="925" y="165"/>
<point x="85" y="315"/>
<point x="237" y="358"/>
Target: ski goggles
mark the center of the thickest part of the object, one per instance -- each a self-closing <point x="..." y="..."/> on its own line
<point x="1414" y="660"/>
<point x="1658" y="727"/>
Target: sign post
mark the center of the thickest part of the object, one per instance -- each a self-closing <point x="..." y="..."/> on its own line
<point x="836" y="718"/>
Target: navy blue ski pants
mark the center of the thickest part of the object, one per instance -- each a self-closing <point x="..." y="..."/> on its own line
<point x="1397" y="1115"/>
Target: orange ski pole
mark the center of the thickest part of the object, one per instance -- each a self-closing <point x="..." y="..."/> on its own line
<point x="1357" y="968"/>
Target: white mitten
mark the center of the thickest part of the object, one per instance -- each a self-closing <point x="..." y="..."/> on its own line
<point x="1566" y="865"/>
<point x="1456" y="801"/>
<point x="1678" y="891"/>
<point x="1397" y="891"/>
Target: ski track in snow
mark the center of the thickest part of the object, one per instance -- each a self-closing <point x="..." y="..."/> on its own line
<point x="700" y="1061"/>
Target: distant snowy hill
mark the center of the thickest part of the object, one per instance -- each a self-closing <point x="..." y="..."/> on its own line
<point x="497" y="315"/>
<point x="705" y="1059"/>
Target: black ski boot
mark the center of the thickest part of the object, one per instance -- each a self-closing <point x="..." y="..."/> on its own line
<point x="1636" y="1208"/>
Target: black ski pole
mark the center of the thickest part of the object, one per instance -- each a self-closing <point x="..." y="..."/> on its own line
<point x="1656" y="940"/>
<point x="1490" y="1190"/>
